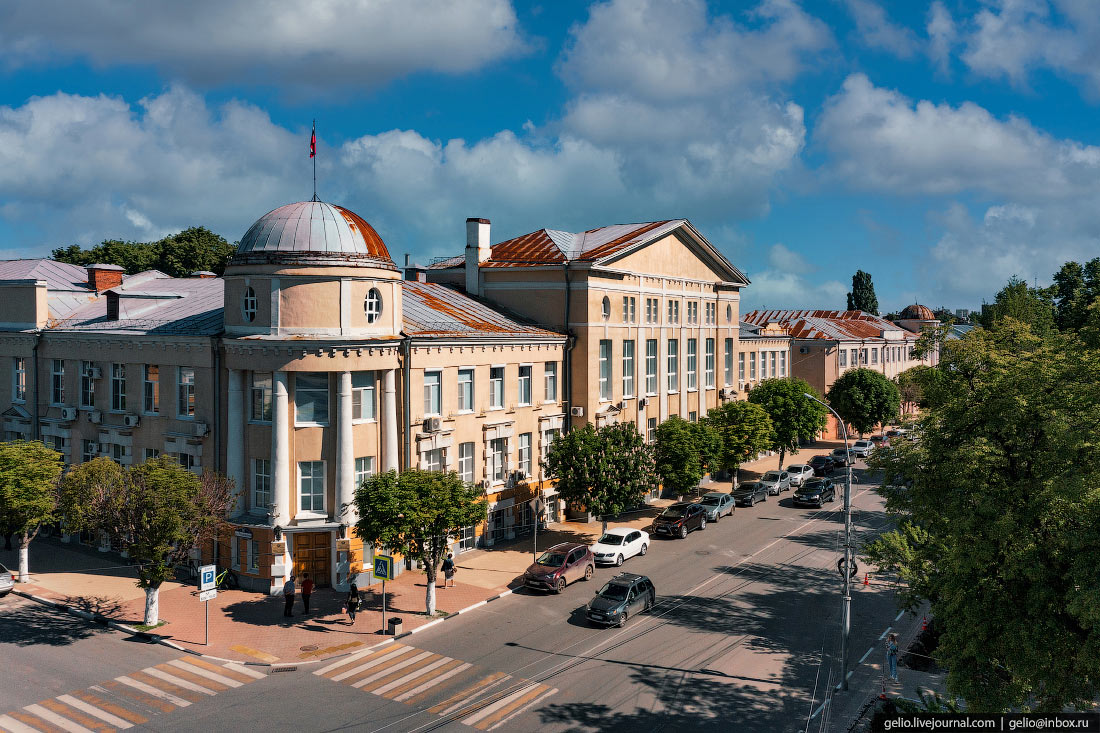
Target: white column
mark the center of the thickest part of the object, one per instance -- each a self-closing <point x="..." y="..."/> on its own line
<point x="389" y="421"/>
<point x="234" y="437"/>
<point x="280" y="449"/>
<point x="345" y="454"/>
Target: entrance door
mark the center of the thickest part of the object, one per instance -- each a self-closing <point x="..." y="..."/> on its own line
<point x="312" y="554"/>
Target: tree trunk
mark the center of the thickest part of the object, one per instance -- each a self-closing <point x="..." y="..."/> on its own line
<point x="604" y="520"/>
<point x="24" y="558"/>
<point x="782" y="454"/>
<point x="152" y="605"/>
<point x="429" y="591"/>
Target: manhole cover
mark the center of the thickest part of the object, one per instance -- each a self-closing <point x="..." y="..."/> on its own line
<point x="702" y="552"/>
<point x="309" y="648"/>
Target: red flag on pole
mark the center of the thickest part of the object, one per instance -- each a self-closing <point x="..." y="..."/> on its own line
<point x="313" y="141"/>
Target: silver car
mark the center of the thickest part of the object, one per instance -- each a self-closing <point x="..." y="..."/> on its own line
<point x="776" y="481"/>
<point x="7" y="581"/>
<point x="862" y="448"/>
<point x="798" y="473"/>
<point x="717" y="503"/>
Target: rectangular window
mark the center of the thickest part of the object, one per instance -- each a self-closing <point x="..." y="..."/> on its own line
<point x="150" y="389"/>
<point x="524" y="384"/>
<point x="673" y="364"/>
<point x="727" y="360"/>
<point x="712" y="314"/>
<point x="185" y="382"/>
<point x="772" y="358"/>
<point x="651" y="430"/>
<point x="433" y="460"/>
<point x="693" y="416"/>
<point x="628" y="368"/>
<point x="362" y="396"/>
<point x="87" y="384"/>
<point x="628" y="309"/>
<point x="151" y="454"/>
<point x="843" y="357"/>
<point x="433" y="396"/>
<point x="57" y="382"/>
<point x="874" y="355"/>
<point x="311" y="398"/>
<point x="187" y="461"/>
<point x="782" y="363"/>
<point x="261" y="484"/>
<point x="548" y="437"/>
<point x="19" y="379"/>
<point x="692" y="362"/>
<point x="465" y="390"/>
<point x="854" y="357"/>
<point x="752" y="366"/>
<point x="693" y="313"/>
<point x="496" y="387"/>
<point x="254" y="555"/>
<point x="652" y="310"/>
<point x="605" y="369"/>
<point x="708" y="363"/>
<point x="673" y="311"/>
<point x="498" y="459"/>
<point x="118" y="452"/>
<point x="524" y="457"/>
<point x="550" y="372"/>
<point x="863" y="356"/>
<point x="118" y="387"/>
<point x="261" y="397"/>
<point x="311" y="482"/>
<point x="741" y="366"/>
<point x="88" y="451"/>
<point x="466" y="462"/>
<point x="651" y="366"/>
<point x="364" y="469"/>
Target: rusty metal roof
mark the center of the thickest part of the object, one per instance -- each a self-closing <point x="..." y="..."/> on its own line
<point x="830" y="325"/>
<point x="313" y="232"/>
<point x="434" y="310"/>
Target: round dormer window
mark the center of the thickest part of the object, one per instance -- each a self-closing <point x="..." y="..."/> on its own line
<point x="248" y="304"/>
<point x="606" y="307"/>
<point x="372" y="306"/>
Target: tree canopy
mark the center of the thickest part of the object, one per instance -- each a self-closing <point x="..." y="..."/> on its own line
<point x="678" y="457"/>
<point x="744" y="430"/>
<point x="1016" y="300"/>
<point x="794" y="418"/>
<point x="864" y="398"/>
<point x="178" y="255"/>
<point x="415" y="513"/>
<point x="1076" y="287"/>
<point x="29" y="472"/>
<point x="862" y="297"/>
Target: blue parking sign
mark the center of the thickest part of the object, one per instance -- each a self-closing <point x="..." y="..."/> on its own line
<point x="383" y="567"/>
<point x="206" y="577"/>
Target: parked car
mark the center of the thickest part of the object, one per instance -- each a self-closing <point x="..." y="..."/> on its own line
<point x="815" y="492"/>
<point x="863" y="448"/>
<point x="622" y="596"/>
<point x="620" y="543"/>
<point x="822" y="465"/>
<point x="717" y="503"/>
<point x="843" y="457"/>
<point x="7" y="581"/>
<point x="750" y="492"/>
<point x="799" y="473"/>
<point x="776" y="481"/>
<point x="559" y="566"/>
<point x="680" y="518"/>
<point x="896" y="433"/>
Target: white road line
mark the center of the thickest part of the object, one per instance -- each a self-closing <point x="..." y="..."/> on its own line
<point x="900" y="614"/>
<point x="344" y="660"/>
<point x="522" y="708"/>
<point x="865" y="655"/>
<point x="486" y="712"/>
<point x="11" y="724"/>
<point x="372" y="663"/>
<point x="178" y="682"/>
<point x="884" y="633"/>
<point x="61" y="722"/>
<point x="179" y="702"/>
<point x="204" y="672"/>
<point x="400" y="665"/>
<point x="95" y="712"/>
<point x="411" y="676"/>
<point x="247" y="672"/>
<point x="818" y="711"/>
<point x="473" y="696"/>
<point x="433" y="682"/>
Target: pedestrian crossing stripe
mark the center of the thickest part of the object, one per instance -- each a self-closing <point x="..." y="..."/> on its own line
<point x="130" y="700"/>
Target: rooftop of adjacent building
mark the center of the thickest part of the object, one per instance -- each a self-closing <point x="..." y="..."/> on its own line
<point x="833" y="325"/>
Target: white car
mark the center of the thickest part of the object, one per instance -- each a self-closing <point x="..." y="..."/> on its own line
<point x="862" y="448"/>
<point x="620" y="543"/>
<point x="798" y="473"/>
<point x="7" y="582"/>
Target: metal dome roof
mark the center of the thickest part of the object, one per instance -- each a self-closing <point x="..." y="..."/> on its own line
<point x="313" y="233"/>
<point x="917" y="312"/>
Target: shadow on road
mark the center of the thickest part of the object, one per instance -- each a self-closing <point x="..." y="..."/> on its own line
<point x="37" y="624"/>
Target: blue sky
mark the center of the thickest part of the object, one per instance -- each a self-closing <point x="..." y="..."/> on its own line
<point x="941" y="146"/>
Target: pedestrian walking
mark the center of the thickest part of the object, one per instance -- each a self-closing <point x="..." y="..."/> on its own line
<point x="288" y="597"/>
<point x="353" y="602"/>
<point x="449" y="571"/>
<point x="892" y="655"/>
<point x="307" y="590"/>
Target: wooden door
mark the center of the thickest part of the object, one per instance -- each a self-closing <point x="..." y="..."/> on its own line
<point x="312" y="554"/>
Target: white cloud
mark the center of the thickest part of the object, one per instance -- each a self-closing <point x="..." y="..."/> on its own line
<point x="313" y="45"/>
<point x="876" y="31"/>
<point x="778" y="288"/>
<point x="782" y="258"/>
<point x="942" y="36"/>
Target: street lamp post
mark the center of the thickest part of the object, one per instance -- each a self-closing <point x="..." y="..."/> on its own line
<point x="846" y="573"/>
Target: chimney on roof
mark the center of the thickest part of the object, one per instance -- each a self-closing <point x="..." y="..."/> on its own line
<point x="478" y="250"/>
<point x="104" y="277"/>
<point x="204" y="274"/>
<point x="414" y="272"/>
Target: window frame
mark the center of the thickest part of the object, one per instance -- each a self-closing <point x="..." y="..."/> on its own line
<point x="433" y="393"/>
<point x="87" y="385"/>
<point x="524" y="391"/>
<point x="604" y="362"/>
<point x="692" y="365"/>
<point x="313" y="494"/>
<point x="57" y="383"/>
<point x="150" y="389"/>
<point x="259" y="477"/>
<point x="672" y="364"/>
<point x="708" y="363"/>
<point x="550" y="380"/>
<point x="652" y="377"/>
<point x="466" y="461"/>
<point x="372" y="298"/>
<point x="298" y="402"/>
<point x="19" y="379"/>
<point x="118" y="387"/>
<point x="185" y="394"/>
<point x="496" y="387"/>
<point x="364" y="469"/>
<point x="258" y="390"/>
<point x="364" y="396"/>
<point x="524" y="453"/>
<point x="628" y="359"/>
<point x="741" y="366"/>
<point x="250" y="304"/>
<point x="465" y="389"/>
<point x="727" y="362"/>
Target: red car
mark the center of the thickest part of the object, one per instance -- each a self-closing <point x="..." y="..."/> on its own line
<point x="559" y="566"/>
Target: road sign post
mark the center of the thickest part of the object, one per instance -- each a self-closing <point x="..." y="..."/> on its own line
<point x="383" y="568"/>
<point x="207" y="591"/>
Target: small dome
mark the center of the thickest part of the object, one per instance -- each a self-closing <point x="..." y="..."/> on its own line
<point x="917" y="312"/>
<point x="313" y="233"/>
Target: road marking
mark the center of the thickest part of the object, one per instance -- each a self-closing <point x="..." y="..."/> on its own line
<point x="405" y="662"/>
<point x="524" y="707"/>
<point x="222" y="671"/>
<point x="192" y="677"/>
<point x="142" y="698"/>
<point x="397" y="673"/>
<point x="178" y="681"/>
<point x="241" y="669"/>
<point x="459" y="699"/>
<point x="329" y="649"/>
<point x="54" y="719"/>
<point x="110" y="707"/>
<point x="900" y="614"/>
<point x="262" y="656"/>
<point x="203" y="672"/>
<point x="375" y="659"/>
<point x="94" y="711"/>
<point x="818" y="711"/>
<point x="489" y="710"/>
<point x="345" y="660"/>
<point x="884" y="633"/>
<point x="865" y="655"/>
<point x="155" y="692"/>
<point x="412" y="676"/>
<point x="9" y="723"/>
<point x="433" y="682"/>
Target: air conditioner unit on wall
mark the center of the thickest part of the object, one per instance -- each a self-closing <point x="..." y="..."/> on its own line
<point x="200" y="429"/>
<point x="486" y="484"/>
<point x="95" y="416"/>
<point x="95" y="373"/>
<point x="803" y="349"/>
<point x="642" y="403"/>
<point x="576" y="411"/>
<point x="68" y="413"/>
<point x="131" y="421"/>
<point x="433" y="424"/>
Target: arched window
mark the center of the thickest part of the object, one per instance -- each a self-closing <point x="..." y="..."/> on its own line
<point x="372" y="306"/>
<point x="606" y="307"/>
<point x="248" y="304"/>
<point x="729" y="313"/>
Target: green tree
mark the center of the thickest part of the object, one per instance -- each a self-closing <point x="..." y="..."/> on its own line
<point x="794" y="418"/>
<point x="1033" y="306"/>
<point x="677" y="455"/>
<point x="998" y="518"/>
<point x="709" y="444"/>
<point x="177" y="255"/>
<point x="862" y="297"/>
<point x="744" y="430"/>
<point x="415" y="513"/>
<point x="864" y="398"/>
<point x="29" y="472"/>
<point x="1076" y="287"/>
<point x="909" y="385"/>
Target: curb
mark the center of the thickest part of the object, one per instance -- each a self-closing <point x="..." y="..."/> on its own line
<point x="449" y="616"/>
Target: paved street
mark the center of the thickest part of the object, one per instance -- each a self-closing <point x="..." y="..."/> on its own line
<point x="744" y="635"/>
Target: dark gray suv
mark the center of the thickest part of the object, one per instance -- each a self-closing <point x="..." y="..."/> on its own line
<point x="621" y="597"/>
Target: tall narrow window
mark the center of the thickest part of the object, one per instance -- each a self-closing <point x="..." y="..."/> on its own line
<point x="628" y="368"/>
<point x="311" y="398"/>
<point x="708" y="363"/>
<point x="651" y="366"/>
<point x="311" y="485"/>
<point x="261" y="484"/>
<point x="550" y="372"/>
<point x="150" y="389"/>
<point x="498" y="459"/>
<point x="651" y="430"/>
<point x="496" y="387"/>
<point x="118" y="387"/>
<point x="372" y="305"/>
<point x="524" y="385"/>
<point x="248" y="304"/>
<point x="874" y="355"/>
<point x="752" y="366"/>
<point x="466" y="462"/>
<point x="89" y="449"/>
<point x="605" y="369"/>
<point x="772" y="360"/>
<point x="19" y="379"/>
<point x="87" y="384"/>
<point x="629" y="304"/>
<point x="364" y="469"/>
<point x="185" y="383"/>
<point x="842" y="358"/>
<point x="673" y="365"/>
<point x="741" y="366"/>
<point x="432" y="393"/>
<point x="362" y="396"/>
<point x="728" y="360"/>
<point x="692" y="359"/>
<point x="261" y="397"/>
<point x="524" y="457"/>
<point x="782" y="363"/>
<point x="57" y="382"/>
<point x="465" y="390"/>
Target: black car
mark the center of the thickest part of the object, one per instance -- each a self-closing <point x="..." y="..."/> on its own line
<point x="622" y="596"/>
<point x="815" y="492"/>
<point x="822" y="465"/>
<point x="680" y="518"/>
<point x="751" y="492"/>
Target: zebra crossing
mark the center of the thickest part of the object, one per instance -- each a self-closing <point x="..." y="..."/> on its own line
<point x="130" y="700"/>
<point x="454" y="689"/>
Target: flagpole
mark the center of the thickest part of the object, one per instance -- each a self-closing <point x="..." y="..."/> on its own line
<point x="314" y="156"/>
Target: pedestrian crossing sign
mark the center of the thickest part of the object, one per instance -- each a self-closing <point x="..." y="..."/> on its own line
<point x="383" y="567"/>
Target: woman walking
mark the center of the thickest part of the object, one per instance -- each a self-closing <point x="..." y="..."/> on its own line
<point x="353" y="602"/>
<point x="892" y="655"/>
<point x="449" y="571"/>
